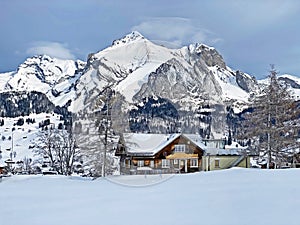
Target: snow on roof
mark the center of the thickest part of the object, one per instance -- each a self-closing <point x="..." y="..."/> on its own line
<point x="149" y="144"/>
<point x="196" y="139"/>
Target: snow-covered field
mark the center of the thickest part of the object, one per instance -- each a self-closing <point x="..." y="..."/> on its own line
<point x="235" y="196"/>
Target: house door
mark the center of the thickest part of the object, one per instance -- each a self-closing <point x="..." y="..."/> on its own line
<point x="152" y="163"/>
<point x="181" y="163"/>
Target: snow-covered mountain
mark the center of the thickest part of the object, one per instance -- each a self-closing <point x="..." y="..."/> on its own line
<point x="185" y="79"/>
<point x="53" y="77"/>
<point x="153" y="87"/>
<point x="124" y="66"/>
<point x="137" y="68"/>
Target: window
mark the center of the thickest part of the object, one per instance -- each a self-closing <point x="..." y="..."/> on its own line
<point x="194" y="163"/>
<point x="179" y="148"/>
<point x="165" y="163"/>
<point x="175" y="161"/>
<point x="217" y="163"/>
<point x="140" y="163"/>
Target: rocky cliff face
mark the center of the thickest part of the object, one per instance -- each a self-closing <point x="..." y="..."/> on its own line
<point x="210" y="55"/>
<point x="172" y="80"/>
<point x="247" y="83"/>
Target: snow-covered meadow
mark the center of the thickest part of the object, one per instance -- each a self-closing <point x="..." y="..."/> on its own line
<point x="235" y="196"/>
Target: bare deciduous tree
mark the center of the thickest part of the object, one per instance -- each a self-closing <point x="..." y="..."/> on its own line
<point x="46" y="145"/>
<point x="272" y="125"/>
<point x="60" y="147"/>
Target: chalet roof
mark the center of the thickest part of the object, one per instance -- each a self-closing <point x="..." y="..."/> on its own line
<point x="195" y="139"/>
<point x="147" y="144"/>
<point x="150" y="144"/>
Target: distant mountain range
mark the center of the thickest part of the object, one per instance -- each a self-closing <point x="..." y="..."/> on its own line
<point x="155" y="89"/>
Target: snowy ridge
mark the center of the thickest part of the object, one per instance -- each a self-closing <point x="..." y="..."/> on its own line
<point x="198" y="47"/>
<point x="133" y="36"/>
<point x="124" y="66"/>
<point x="292" y="81"/>
<point x="53" y="77"/>
<point x="182" y="80"/>
<point x="229" y="86"/>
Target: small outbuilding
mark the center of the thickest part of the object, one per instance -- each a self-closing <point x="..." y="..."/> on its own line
<point x="217" y="159"/>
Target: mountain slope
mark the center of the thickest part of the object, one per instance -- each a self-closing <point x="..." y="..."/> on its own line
<point x="53" y="77"/>
<point x="123" y="66"/>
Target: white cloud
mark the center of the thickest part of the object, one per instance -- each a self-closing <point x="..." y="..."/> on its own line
<point x="176" y="31"/>
<point x="53" y="49"/>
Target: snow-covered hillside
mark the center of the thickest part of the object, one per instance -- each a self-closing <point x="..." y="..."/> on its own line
<point x="229" y="197"/>
<point x="19" y="141"/>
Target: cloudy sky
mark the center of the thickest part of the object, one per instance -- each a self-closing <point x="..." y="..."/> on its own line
<point x="250" y="34"/>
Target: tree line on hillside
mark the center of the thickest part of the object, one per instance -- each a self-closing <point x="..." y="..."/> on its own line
<point x="23" y="103"/>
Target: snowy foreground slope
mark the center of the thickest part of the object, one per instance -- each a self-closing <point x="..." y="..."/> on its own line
<point x="229" y="197"/>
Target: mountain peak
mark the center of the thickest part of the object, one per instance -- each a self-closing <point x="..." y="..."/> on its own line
<point x="199" y="47"/>
<point x="133" y="36"/>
